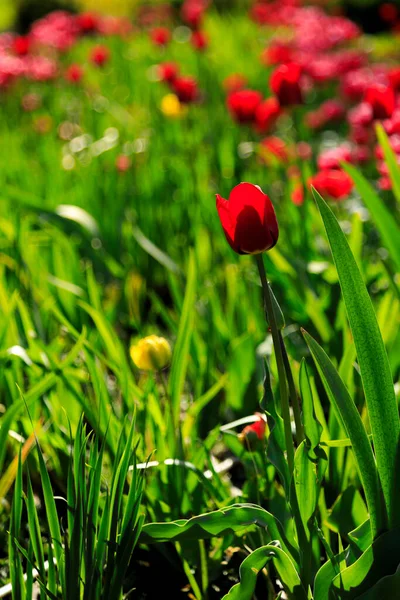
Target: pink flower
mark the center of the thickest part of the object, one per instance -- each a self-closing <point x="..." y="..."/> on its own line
<point x="122" y="163"/>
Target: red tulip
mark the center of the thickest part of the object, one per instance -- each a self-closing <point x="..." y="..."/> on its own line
<point x="160" y="36"/>
<point x="254" y="432"/>
<point x="199" y="40"/>
<point x="248" y="219"/>
<point x="186" y="89"/>
<point x="87" y="22"/>
<point x="168" y="71"/>
<point x="334" y="183"/>
<point x="21" y="45"/>
<point x="275" y="147"/>
<point x="74" y="73"/>
<point x="297" y="195"/>
<point x="285" y="83"/>
<point x="234" y="82"/>
<point x="333" y="157"/>
<point x="243" y="105"/>
<point x="382" y="100"/>
<point x="122" y="163"/>
<point x="266" y="114"/>
<point x="100" y="55"/>
<point x="193" y="12"/>
<point x="394" y="78"/>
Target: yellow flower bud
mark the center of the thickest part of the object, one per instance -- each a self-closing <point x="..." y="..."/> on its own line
<point x="171" y="107"/>
<point x="151" y="353"/>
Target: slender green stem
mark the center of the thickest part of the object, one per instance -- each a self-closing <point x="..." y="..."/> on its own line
<point x="279" y="362"/>
<point x="292" y="393"/>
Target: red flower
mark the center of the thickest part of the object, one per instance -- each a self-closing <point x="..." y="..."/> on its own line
<point x="234" y="82"/>
<point x="276" y="54"/>
<point x="193" y="12"/>
<point x="88" y="22"/>
<point x="361" y="115"/>
<point x="168" y="71"/>
<point x="199" y="40"/>
<point x="255" y="431"/>
<point x="297" y="195"/>
<point x="274" y="146"/>
<point x="266" y="114"/>
<point x="332" y="110"/>
<point x="388" y="12"/>
<point x="74" y="73"/>
<point x="248" y="219"/>
<point x="334" y="183"/>
<point x="243" y="105"/>
<point x="394" y="78"/>
<point x="186" y="89"/>
<point x="382" y="100"/>
<point x="100" y="55"/>
<point x="21" y="45"/>
<point x="122" y="163"/>
<point x="333" y="157"/>
<point x="161" y="36"/>
<point x="285" y="83"/>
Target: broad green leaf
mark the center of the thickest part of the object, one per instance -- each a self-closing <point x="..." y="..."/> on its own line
<point x="218" y="523"/>
<point x="384" y="221"/>
<point x="345" y="407"/>
<point x="255" y="562"/>
<point x="387" y="587"/>
<point x="373" y="361"/>
<point x="381" y="559"/>
<point x="312" y="427"/>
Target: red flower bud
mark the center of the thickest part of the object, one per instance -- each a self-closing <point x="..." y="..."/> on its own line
<point x="168" y="71"/>
<point x="334" y="183"/>
<point x="74" y="73"/>
<point x="266" y="114"/>
<point x="255" y="431"/>
<point x="22" y="45"/>
<point x="160" y="36"/>
<point x="199" y="40"/>
<point x="100" y="55"/>
<point x="382" y="100"/>
<point x="234" y="82"/>
<point x="186" y="89"/>
<point x="248" y="219"/>
<point x="243" y="105"/>
<point x="285" y="83"/>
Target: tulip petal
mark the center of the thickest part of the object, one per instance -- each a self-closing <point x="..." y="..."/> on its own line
<point x="223" y="208"/>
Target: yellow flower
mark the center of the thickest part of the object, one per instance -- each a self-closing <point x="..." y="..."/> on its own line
<point x="151" y="353"/>
<point x="171" y="107"/>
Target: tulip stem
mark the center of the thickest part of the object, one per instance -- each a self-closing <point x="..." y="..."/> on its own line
<point x="292" y="393"/>
<point x="283" y="391"/>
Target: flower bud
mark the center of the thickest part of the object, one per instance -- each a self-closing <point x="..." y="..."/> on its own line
<point x="151" y="353"/>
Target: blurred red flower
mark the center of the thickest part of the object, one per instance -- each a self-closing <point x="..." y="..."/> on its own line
<point x="22" y="45"/>
<point x="168" y="71"/>
<point x="122" y="163"/>
<point x="234" y="82"/>
<point x="243" y="105"/>
<point x="192" y="12"/>
<point x="381" y="99"/>
<point x="266" y="114"/>
<point x="333" y="157"/>
<point x="334" y="183"/>
<point x="199" y="40"/>
<point x="100" y="55"/>
<point x="88" y="22"/>
<point x="74" y="73"/>
<point x="248" y="219"/>
<point x="186" y="89"/>
<point x="160" y="36"/>
<point x="285" y="83"/>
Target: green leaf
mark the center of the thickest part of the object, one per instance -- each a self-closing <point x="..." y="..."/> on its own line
<point x="387" y="587"/>
<point x="381" y="559"/>
<point x="255" y="562"/>
<point x="390" y="160"/>
<point x="373" y="361"/>
<point x="384" y="222"/>
<point x="218" y="523"/>
<point x="346" y="409"/>
<point x="312" y="427"/>
<point x="180" y="357"/>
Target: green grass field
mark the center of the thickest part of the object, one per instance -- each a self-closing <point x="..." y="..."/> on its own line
<point x="98" y="458"/>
